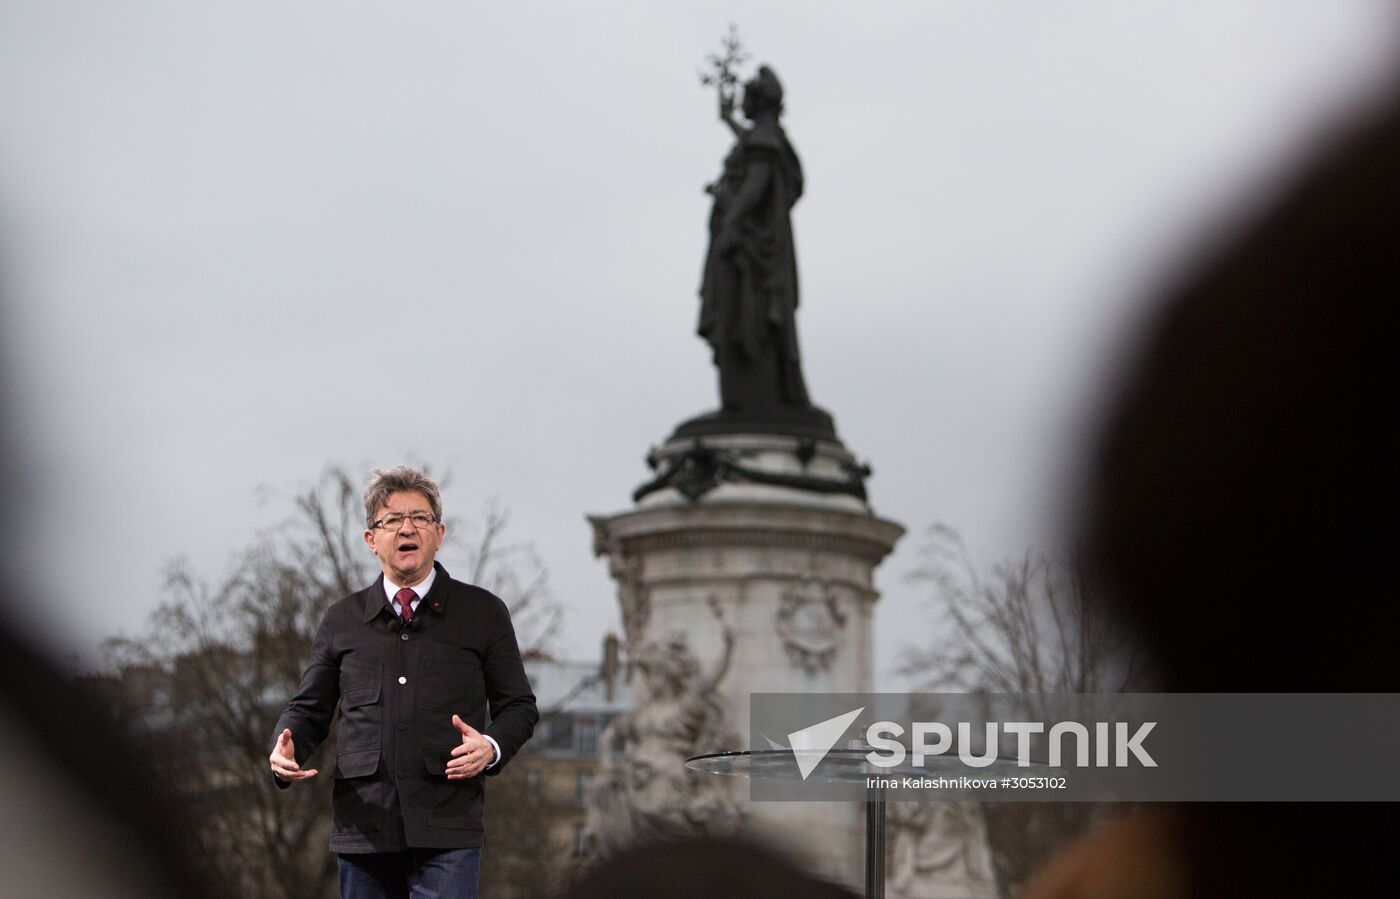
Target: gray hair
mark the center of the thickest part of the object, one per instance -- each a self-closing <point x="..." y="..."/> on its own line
<point x="397" y="479"/>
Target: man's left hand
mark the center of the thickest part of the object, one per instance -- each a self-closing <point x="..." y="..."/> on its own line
<point x="472" y="757"/>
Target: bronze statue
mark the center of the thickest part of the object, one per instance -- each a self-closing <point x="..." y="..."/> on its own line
<point x="749" y="290"/>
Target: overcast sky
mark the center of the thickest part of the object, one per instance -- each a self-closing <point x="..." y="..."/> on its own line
<point x="246" y="240"/>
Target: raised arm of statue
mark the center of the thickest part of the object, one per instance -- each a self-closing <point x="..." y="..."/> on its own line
<point x="721" y="668"/>
<point x="726" y="115"/>
<point x="721" y="73"/>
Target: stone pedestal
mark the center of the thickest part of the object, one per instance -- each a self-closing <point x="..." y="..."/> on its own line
<point x="753" y="555"/>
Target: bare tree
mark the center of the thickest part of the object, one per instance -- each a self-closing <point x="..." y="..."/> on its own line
<point x="222" y="660"/>
<point x="514" y="572"/>
<point x="1031" y="627"/>
<point x="528" y="858"/>
<point x="204" y="685"/>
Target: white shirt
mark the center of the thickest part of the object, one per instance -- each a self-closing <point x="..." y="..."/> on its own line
<point x="391" y="591"/>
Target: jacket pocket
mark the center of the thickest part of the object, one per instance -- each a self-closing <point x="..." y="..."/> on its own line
<point x="359" y="696"/>
<point x="360" y="718"/>
<point x="451" y="685"/>
<point x="435" y="760"/>
<point x="454" y="804"/>
<point x="354" y="762"/>
<point x="358" y="799"/>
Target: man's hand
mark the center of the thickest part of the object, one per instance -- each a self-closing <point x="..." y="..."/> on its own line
<point x="472" y="757"/>
<point x="284" y="760"/>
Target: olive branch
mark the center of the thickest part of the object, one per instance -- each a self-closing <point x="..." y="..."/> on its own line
<point x="721" y="69"/>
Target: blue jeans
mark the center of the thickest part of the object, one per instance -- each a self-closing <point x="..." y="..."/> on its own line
<point x="411" y="874"/>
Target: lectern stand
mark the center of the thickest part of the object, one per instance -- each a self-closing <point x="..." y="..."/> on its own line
<point x="838" y="765"/>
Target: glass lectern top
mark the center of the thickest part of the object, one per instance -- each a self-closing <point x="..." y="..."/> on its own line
<point x="836" y="765"/>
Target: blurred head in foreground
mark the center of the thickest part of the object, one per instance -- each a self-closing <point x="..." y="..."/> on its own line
<point x="700" y="869"/>
<point x="82" y="812"/>
<point x="1243" y="500"/>
<point x="1246" y="490"/>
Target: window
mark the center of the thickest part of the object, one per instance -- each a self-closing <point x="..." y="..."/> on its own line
<point x="586" y="735"/>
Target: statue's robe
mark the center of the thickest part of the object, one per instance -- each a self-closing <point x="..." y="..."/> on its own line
<point x="749" y="292"/>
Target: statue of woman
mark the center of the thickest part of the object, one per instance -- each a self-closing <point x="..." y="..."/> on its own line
<point x="749" y="291"/>
<point x="645" y="791"/>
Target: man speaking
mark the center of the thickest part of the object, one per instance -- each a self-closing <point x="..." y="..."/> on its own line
<point x="415" y="660"/>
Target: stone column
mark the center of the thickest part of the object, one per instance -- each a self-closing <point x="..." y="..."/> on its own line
<point x="754" y="555"/>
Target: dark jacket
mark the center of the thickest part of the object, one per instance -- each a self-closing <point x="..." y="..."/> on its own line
<point x="398" y="686"/>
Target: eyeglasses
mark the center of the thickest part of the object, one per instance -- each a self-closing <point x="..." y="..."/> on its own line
<point x="395" y="521"/>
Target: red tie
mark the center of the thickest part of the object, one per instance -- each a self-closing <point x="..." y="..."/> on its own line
<point x="406" y="596"/>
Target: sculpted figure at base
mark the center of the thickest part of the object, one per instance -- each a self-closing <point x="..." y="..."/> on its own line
<point x="938" y="850"/>
<point x="644" y="790"/>
<point x="749" y="290"/>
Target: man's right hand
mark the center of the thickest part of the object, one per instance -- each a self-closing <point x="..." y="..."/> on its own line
<point x="284" y="760"/>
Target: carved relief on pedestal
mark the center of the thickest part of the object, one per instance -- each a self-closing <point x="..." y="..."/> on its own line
<point x="644" y="790"/>
<point x="938" y="850"/>
<point x="633" y="596"/>
<point x="810" y="623"/>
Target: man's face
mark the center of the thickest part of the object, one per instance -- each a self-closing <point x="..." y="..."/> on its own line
<point x="405" y="552"/>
